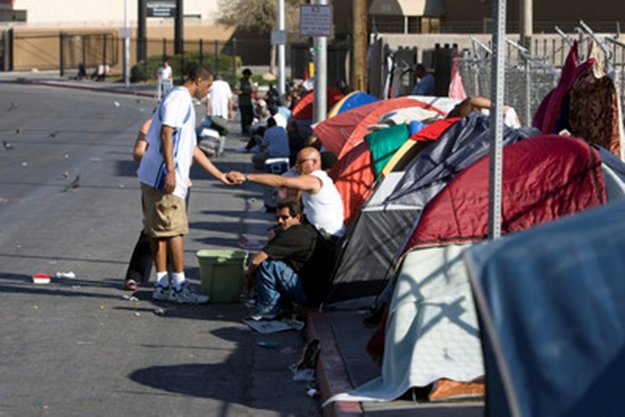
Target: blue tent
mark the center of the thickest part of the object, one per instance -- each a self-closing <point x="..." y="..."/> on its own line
<point x="550" y="303"/>
<point x="351" y="101"/>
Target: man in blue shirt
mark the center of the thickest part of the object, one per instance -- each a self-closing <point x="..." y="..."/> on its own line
<point x="426" y="84"/>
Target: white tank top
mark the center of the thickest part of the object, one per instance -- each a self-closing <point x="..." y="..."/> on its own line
<point x="324" y="210"/>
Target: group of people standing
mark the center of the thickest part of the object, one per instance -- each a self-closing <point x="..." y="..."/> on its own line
<point x="296" y="263"/>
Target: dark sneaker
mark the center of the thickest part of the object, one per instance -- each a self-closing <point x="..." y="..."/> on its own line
<point x="161" y="293"/>
<point x="186" y="296"/>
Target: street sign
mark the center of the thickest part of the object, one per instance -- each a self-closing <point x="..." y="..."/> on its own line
<point x="161" y="8"/>
<point x="278" y="37"/>
<point x="125" y="33"/>
<point x="315" y="20"/>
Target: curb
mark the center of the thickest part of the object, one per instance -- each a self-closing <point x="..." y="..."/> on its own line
<point x="85" y="87"/>
<point x="331" y="371"/>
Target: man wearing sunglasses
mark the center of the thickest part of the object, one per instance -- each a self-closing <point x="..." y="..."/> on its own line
<point x="322" y="202"/>
<point x="294" y="266"/>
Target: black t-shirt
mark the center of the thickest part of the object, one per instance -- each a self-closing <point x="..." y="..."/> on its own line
<point x="303" y="249"/>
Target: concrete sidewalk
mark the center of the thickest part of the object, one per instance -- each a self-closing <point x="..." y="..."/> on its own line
<point x="343" y="363"/>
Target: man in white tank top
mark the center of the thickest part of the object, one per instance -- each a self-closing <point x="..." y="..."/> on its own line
<point x="322" y="202"/>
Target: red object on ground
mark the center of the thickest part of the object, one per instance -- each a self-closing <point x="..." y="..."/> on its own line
<point x="41" y="278"/>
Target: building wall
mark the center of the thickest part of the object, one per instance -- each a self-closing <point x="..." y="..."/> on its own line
<point x="40" y="47"/>
<point x="100" y="13"/>
<point x="602" y="15"/>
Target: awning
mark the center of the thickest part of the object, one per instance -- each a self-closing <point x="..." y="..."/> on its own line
<point x="407" y="7"/>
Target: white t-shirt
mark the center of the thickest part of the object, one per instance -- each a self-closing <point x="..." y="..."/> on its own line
<point x="175" y="110"/>
<point x="164" y="73"/>
<point x="324" y="210"/>
<point x="280" y="120"/>
<point x="219" y="94"/>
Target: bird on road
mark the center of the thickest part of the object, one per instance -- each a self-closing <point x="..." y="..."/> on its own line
<point x="53" y="134"/>
<point x="7" y="145"/>
<point x="73" y="186"/>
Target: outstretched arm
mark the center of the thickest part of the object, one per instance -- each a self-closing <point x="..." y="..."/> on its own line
<point x="306" y="183"/>
<point x="202" y="160"/>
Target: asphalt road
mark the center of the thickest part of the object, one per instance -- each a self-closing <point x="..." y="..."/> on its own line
<point x="75" y="347"/>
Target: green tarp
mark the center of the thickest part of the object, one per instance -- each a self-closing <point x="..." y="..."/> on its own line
<point x="384" y="143"/>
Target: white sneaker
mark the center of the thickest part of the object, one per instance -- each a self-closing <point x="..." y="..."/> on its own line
<point x="186" y="296"/>
<point x="161" y="293"/>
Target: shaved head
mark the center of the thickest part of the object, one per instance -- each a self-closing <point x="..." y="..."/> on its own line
<point x="308" y="160"/>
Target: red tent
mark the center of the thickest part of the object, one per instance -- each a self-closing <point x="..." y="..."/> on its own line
<point x="544" y="178"/>
<point x="303" y="110"/>
<point x="344" y="131"/>
<point x="353" y="177"/>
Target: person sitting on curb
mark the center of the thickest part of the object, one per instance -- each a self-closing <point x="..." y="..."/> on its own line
<point x="295" y="265"/>
<point x="323" y="206"/>
<point x="273" y="144"/>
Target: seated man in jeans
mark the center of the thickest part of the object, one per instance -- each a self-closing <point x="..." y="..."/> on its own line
<point x="294" y="266"/>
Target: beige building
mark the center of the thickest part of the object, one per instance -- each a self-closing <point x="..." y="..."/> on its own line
<point x="97" y="13"/>
<point x="92" y="31"/>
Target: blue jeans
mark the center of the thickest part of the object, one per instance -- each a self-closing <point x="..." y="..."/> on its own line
<point x="275" y="279"/>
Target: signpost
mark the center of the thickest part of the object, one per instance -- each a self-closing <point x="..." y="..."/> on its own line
<point x="317" y="20"/>
<point x="496" y="120"/>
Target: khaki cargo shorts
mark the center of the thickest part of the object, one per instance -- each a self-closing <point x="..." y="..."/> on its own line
<point x="164" y="215"/>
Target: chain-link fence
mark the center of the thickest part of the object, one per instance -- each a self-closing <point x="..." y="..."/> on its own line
<point x="530" y="76"/>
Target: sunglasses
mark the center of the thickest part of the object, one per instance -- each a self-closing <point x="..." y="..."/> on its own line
<point x="283" y="216"/>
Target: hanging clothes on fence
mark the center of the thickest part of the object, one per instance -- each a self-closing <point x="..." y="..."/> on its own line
<point x="551" y="117"/>
<point x="593" y="111"/>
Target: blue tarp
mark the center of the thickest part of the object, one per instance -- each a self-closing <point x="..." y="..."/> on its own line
<point x="552" y="314"/>
<point x="356" y="99"/>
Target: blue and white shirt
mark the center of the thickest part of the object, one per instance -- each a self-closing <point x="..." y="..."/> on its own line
<point x="175" y="110"/>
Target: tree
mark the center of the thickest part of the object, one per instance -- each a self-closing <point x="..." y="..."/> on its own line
<point x="260" y="16"/>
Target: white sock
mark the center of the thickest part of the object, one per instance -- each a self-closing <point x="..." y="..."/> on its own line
<point x="162" y="279"/>
<point x="178" y="279"/>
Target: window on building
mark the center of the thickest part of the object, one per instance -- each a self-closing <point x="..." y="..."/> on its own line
<point x="430" y="24"/>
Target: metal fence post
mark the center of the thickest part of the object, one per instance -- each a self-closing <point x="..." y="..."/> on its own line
<point x="104" y="52"/>
<point x="496" y="120"/>
<point x="61" y="53"/>
<point x="216" y="58"/>
<point x="84" y="51"/>
<point x="182" y="71"/>
<point x="201" y="51"/>
<point x="528" y="91"/>
<point x="145" y="60"/>
<point x="234" y="61"/>
<point x="6" y="50"/>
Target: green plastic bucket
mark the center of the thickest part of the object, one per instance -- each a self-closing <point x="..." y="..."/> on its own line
<point x="222" y="273"/>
